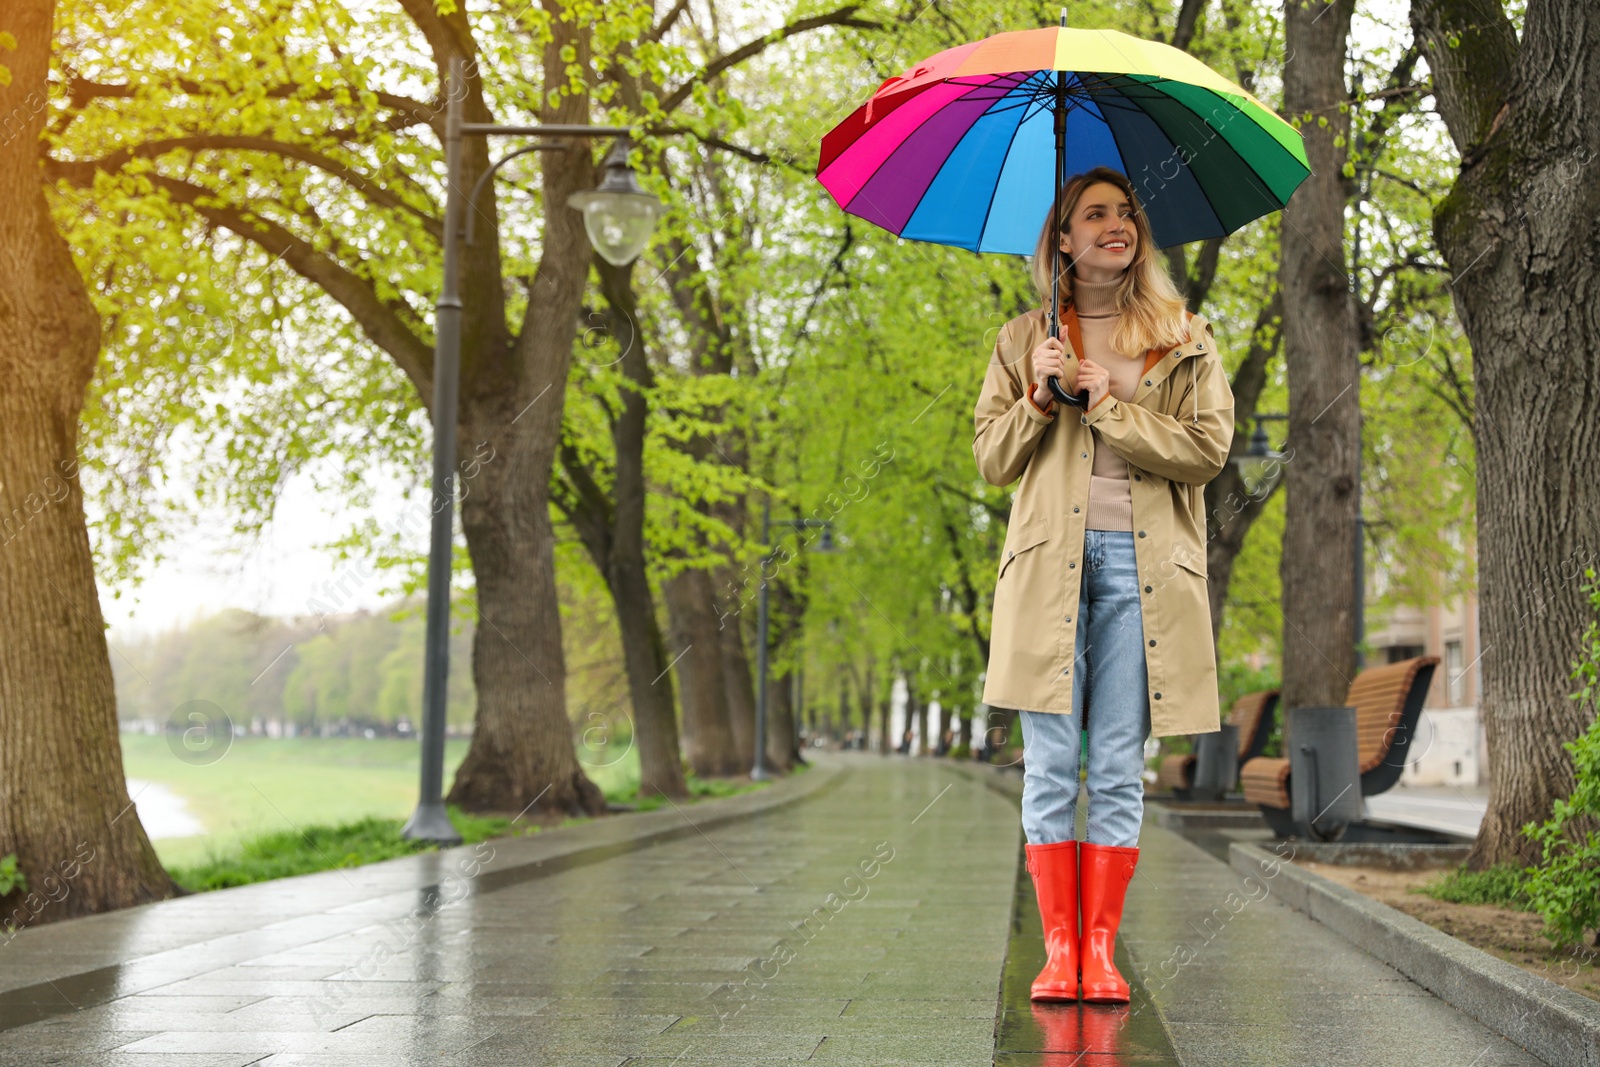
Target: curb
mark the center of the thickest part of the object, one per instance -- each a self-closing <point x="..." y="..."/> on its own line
<point x="1557" y="1025"/>
<point x="1181" y="815"/>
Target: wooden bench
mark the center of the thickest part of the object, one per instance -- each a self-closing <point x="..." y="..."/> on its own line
<point x="1252" y="714"/>
<point x="1388" y="702"/>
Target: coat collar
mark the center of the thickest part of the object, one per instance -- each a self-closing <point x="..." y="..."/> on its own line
<point x="1198" y="344"/>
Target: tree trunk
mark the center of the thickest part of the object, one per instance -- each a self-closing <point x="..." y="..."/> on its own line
<point x="780" y="723"/>
<point x="649" y="679"/>
<point x="621" y="549"/>
<point x="512" y="397"/>
<point x="1517" y="231"/>
<point x="966" y="733"/>
<point x="1321" y="351"/>
<point x="916" y="719"/>
<point x="736" y="674"/>
<point x="864" y="704"/>
<point x="64" y="806"/>
<point x="707" y="729"/>
<point x="1230" y="509"/>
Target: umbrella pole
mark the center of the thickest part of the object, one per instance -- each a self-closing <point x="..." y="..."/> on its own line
<point x="1060" y="110"/>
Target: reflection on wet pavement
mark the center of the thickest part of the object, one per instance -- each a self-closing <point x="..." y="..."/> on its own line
<point x="1061" y="1034"/>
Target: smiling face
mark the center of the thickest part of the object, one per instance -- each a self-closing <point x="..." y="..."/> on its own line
<point x="1101" y="236"/>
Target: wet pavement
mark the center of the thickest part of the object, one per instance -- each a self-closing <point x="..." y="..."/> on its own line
<point x="866" y="922"/>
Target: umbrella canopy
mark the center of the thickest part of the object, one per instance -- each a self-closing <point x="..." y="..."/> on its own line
<point x="960" y="151"/>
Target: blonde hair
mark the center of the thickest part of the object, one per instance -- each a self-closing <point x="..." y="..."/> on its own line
<point x="1153" y="311"/>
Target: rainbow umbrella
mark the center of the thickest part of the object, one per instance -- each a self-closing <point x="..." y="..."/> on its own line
<point x="958" y="151"/>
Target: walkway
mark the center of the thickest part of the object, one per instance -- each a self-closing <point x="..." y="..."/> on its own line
<point x="866" y="924"/>
<point x="1447" y="809"/>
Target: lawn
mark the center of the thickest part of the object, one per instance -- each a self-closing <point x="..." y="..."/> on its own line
<point x="262" y="785"/>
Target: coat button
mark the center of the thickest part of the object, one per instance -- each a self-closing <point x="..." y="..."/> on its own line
<point x="1158" y="696"/>
<point x="1141" y="533"/>
<point x="1085" y="455"/>
<point x="1074" y="510"/>
<point x="1147" y="589"/>
<point x="1069" y="619"/>
<point x="1147" y="381"/>
<point x="1010" y="553"/>
<point x="1069" y="567"/>
<point x="1152" y="642"/>
<point x="1199" y="346"/>
<point x="1066" y="671"/>
<point x="1083" y="418"/>
<point x="1137" y="478"/>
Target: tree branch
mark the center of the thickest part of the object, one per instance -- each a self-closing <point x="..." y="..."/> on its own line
<point x="1265" y="338"/>
<point x="237" y="142"/>
<point x="1188" y="18"/>
<point x="667" y="20"/>
<point x="844" y="16"/>
<point x="81" y="90"/>
<point x="1472" y="50"/>
<point x="587" y="507"/>
<point x="383" y="321"/>
<point x="714" y="141"/>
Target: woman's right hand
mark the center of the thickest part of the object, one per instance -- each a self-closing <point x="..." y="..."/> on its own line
<point x="1049" y="360"/>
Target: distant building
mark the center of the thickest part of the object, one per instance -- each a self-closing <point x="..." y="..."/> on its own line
<point x="1451" y="746"/>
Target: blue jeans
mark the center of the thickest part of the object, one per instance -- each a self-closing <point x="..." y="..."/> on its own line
<point x="1109" y="659"/>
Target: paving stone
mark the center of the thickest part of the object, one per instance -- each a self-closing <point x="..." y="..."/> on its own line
<point x="755" y="941"/>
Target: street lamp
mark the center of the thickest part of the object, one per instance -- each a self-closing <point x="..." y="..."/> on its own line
<point x="617" y="214"/>
<point x="759" y="771"/>
<point x="1261" y="465"/>
<point x="619" y="224"/>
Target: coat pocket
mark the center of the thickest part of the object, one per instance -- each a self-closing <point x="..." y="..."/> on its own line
<point x="1031" y="534"/>
<point x="1192" y="560"/>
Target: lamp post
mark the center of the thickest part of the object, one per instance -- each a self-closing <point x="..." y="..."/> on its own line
<point x="759" y="771"/>
<point x="618" y="217"/>
<point x="1260" y="463"/>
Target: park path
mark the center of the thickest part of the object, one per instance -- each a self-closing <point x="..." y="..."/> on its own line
<point x="865" y="924"/>
<point x="858" y="913"/>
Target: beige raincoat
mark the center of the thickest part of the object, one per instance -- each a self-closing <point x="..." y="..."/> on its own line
<point x="1175" y="435"/>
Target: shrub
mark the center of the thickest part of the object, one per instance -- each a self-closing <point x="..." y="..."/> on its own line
<point x="10" y="877"/>
<point x="1564" y="887"/>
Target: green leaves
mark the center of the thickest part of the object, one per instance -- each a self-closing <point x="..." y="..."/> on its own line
<point x="11" y="879"/>
<point x="1565" y="887"/>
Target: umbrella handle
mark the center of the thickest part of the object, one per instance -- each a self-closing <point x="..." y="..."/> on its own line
<point x="1081" y="400"/>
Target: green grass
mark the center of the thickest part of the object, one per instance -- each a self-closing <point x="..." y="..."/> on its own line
<point x="1501" y="885"/>
<point x="278" y="808"/>
<point x="286" y="853"/>
<point x="263" y="785"/>
<point x="699" y="789"/>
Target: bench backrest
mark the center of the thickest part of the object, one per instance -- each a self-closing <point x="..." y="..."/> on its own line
<point x="1252" y="714"/>
<point x="1388" y="702"/>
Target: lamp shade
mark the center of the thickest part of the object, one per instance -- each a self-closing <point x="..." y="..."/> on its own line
<point x="618" y="215"/>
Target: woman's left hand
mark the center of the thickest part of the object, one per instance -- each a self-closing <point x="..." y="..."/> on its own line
<point x="1095" y="378"/>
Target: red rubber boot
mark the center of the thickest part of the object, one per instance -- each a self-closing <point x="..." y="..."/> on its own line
<point x="1055" y="880"/>
<point x="1105" y="871"/>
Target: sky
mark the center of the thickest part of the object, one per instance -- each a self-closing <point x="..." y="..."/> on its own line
<point x="208" y="568"/>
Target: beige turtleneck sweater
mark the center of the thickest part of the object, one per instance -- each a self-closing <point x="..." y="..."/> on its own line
<point x="1110" y="503"/>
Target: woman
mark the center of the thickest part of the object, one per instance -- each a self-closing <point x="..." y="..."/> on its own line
<point x="1101" y="616"/>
